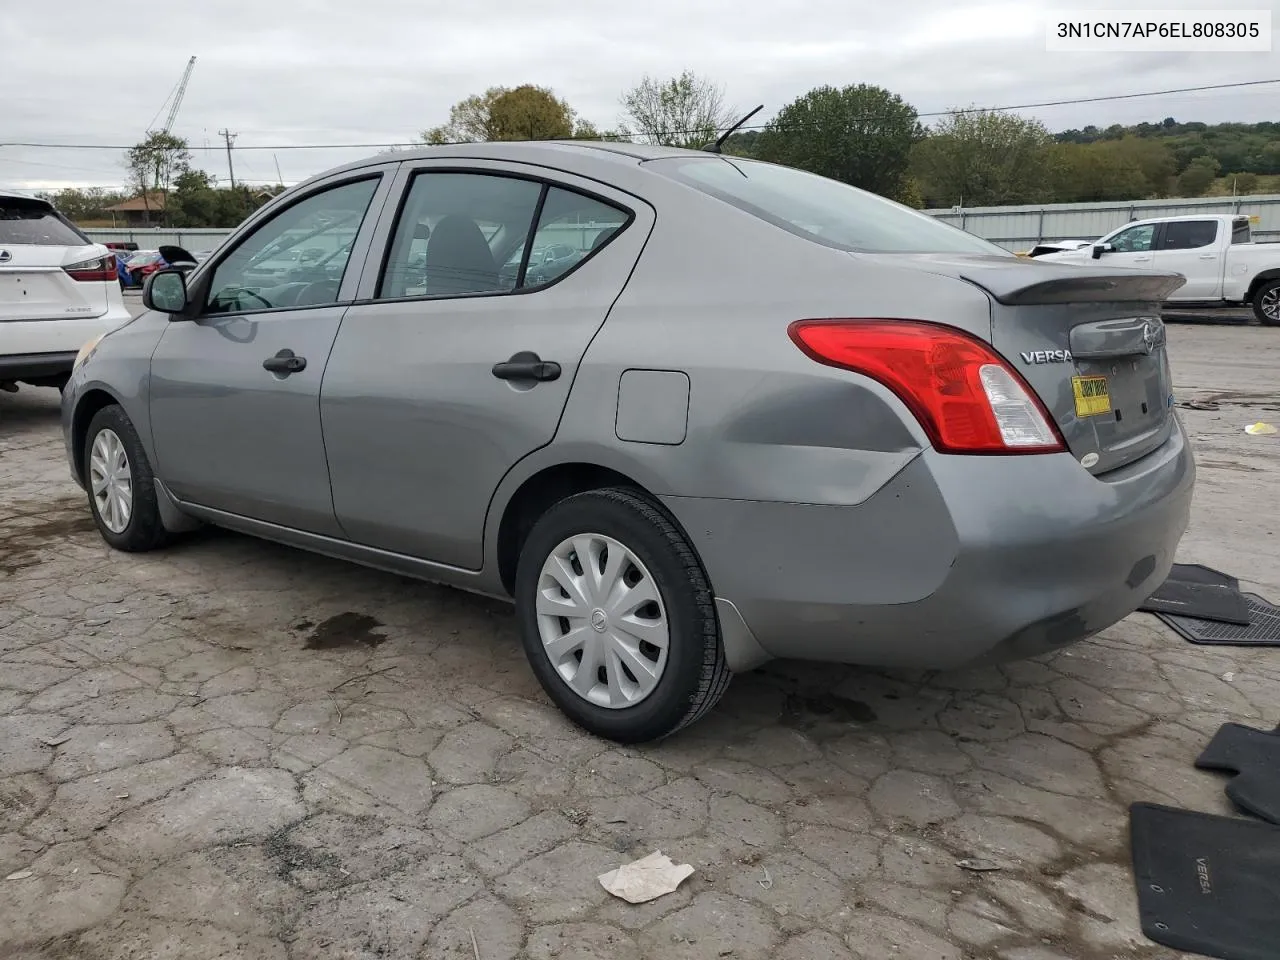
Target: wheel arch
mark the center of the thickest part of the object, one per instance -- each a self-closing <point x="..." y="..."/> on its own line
<point x="88" y="404"/>
<point x="1266" y="276"/>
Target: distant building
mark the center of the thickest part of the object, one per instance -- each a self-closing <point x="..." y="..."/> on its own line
<point x="138" y="211"/>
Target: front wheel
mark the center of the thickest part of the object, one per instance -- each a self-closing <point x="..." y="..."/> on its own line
<point x="618" y="619"/>
<point x="1266" y="304"/>
<point x="121" y="486"/>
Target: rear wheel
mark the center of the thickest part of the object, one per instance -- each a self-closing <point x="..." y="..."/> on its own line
<point x="1266" y="303"/>
<point x="121" y="486"/>
<point x="617" y="617"/>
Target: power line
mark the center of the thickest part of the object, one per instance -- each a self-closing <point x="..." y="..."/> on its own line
<point x="762" y="126"/>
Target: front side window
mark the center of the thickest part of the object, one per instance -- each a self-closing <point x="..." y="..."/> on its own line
<point x="298" y="257"/>
<point x="820" y="209"/>
<point x="571" y="227"/>
<point x="1240" y="231"/>
<point x="458" y="234"/>
<point x="1188" y="234"/>
<point x="1135" y="239"/>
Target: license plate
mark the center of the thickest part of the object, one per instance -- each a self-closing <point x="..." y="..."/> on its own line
<point x="1092" y="397"/>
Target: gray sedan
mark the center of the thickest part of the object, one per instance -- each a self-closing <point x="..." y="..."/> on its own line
<point x="755" y="414"/>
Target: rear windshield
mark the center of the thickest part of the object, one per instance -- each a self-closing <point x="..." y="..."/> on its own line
<point x="819" y="209"/>
<point x="30" y="221"/>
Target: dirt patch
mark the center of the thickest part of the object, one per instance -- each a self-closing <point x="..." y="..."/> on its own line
<point x="806" y="712"/>
<point x="345" y="630"/>
<point x="26" y="537"/>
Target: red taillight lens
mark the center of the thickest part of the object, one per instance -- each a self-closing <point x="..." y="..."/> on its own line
<point x="99" y="268"/>
<point x="967" y="399"/>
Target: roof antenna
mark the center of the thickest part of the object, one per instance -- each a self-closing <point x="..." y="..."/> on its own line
<point x="715" y="147"/>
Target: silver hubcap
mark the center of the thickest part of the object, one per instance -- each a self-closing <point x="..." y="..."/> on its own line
<point x="1271" y="304"/>
<point x="602" y="622"/>
<point x="111" y="481"/>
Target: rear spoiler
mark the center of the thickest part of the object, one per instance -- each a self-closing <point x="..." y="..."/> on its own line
<point x="1060" y="283"/>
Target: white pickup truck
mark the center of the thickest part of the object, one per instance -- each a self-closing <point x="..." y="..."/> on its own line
<point x="1221" y="264"/>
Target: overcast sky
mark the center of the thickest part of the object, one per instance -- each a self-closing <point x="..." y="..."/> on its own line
<point x="79" y="71"/>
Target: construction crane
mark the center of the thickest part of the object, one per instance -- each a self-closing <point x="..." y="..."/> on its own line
<point x="174" y="99"/>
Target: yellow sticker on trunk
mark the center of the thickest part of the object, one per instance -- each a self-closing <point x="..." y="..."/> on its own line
<point x="1091" y="396"/>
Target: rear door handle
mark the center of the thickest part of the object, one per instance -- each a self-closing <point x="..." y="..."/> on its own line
<point x="1141" y="259"/>
<point x="1208" y="256"/>
<point x="527" y="365"/>
<point x="285" y="362"/>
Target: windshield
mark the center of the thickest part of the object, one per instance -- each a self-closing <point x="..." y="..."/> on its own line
<point x="820" y="209"/>
<point x="31" y="221"/>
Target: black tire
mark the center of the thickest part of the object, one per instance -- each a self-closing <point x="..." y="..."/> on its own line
<point x="144" y="531"/>
<point x="1270" y="287"/>
<point x="695" y="676"/>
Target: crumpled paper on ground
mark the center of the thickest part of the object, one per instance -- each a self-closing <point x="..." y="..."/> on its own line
<point x="645" y="879"/>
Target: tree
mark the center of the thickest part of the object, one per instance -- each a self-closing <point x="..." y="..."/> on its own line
<point x="983" y="158"/>
<point x="1200" y="173"/>
<point x="860" y="134"/>
<point x="1246" y="183"/>
<point x="684" y="111"/>
<point x="155" y="162"/>
<point x="88" y="204"/>
<point x="526" y="112"/>
<point x="1131" y="168"/>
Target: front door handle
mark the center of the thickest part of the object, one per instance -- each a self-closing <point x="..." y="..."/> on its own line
<point x="526" y="365"/>
<point x="285" y="362"/>
<point x="1141" y="259"/>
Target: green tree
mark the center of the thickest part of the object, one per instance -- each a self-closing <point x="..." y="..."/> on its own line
<point x="154" y="163"/>
<point x="860" y="134"/>
<point x="1131" y="168"/>
<point x="984" y="159"/>
<point x="526" y="112"/>
<point x="683" y="111"/>
<point x="88" y="204"/>
<point x="1245" y="183"/>
<point x="1195" y="180"/>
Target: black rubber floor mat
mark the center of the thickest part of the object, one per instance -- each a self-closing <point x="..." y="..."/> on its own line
<point x="1263" y="629"/>
<point x="1207" y="884"/>
<point x="1192" y="590"/>
<point x="1254" y="757"/>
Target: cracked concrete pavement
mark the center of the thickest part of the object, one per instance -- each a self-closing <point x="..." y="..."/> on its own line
<point x="232" y="749"/>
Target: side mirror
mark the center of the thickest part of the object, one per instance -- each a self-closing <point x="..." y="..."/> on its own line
<point x="1099" y="249"/>
<point x="166" y="291"/>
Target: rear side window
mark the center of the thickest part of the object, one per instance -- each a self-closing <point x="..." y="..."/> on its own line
<point x="819" y="209"/>
<point x="1240" y="232"/>
<point x="30" y="221"/>
<point x="1188" y="234"/>
<point x="571" y="228"/>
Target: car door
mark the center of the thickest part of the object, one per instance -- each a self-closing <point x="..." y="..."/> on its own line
<point x="235" y="392"/>
<point x="1132" y="247"/>
<point x="1194" y="249"/>
<point x="451" y="369"/>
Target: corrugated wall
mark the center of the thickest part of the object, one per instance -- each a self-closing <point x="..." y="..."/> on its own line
<point x="1014" y="228"/>
<point x="1017" y="228"/>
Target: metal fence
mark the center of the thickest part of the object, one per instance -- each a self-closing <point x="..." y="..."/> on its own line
<point x="1014" y="228"/>
<point x="1017" y="228"/>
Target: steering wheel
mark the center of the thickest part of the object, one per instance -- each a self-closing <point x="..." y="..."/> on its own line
<point x="317" y="292"/>
<point x="242" y="292"/>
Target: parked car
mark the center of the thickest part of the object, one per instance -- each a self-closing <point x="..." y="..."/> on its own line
<point x="140" y="265"/>
<point x="677" y="467"/>
<point x="58" y="290"/>
<point x="1055" y="246"/>
<point x="1215" y="254"/>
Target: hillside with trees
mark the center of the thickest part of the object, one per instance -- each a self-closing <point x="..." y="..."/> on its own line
<point x="860" y="134"/>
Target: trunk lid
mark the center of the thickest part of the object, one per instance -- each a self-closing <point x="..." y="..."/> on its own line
<point x="34" y="285"/>
<point x="1089" y="341"/>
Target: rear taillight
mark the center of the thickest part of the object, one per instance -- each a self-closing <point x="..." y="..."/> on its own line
<point x="99" y="268"/>
<point x="966" y="397"/>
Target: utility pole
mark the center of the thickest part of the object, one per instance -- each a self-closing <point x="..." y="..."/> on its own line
<point x="230" y="138"/>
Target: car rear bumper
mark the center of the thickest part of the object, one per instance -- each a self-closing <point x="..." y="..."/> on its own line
<point x="957" y="560"/>
<point x="58" y="335"/>
<point x="23" y="366"/>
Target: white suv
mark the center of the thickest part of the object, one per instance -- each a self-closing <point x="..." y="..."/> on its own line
<point x="58" y="290"/>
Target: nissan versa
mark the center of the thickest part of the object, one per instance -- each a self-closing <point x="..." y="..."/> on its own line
<point x="747" y="413"/>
